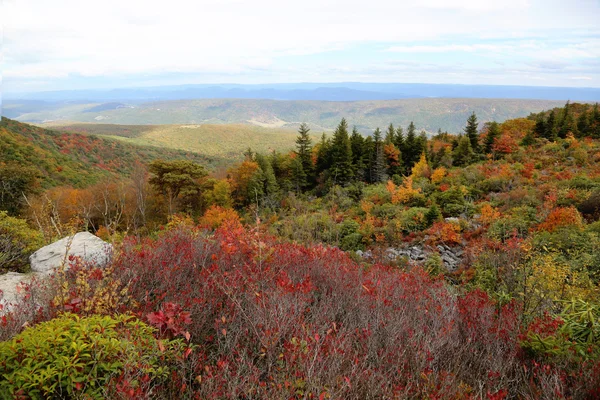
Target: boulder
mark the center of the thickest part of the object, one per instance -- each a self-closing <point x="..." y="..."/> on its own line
<point x="10" y="284"/>
<point x="90" y="248"/>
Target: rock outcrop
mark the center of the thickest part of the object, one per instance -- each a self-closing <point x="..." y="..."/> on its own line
<point x="88" y="247"/>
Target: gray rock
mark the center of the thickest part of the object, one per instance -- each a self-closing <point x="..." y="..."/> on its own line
<point x="83" y="244"/>
<point x="9" y="286"/>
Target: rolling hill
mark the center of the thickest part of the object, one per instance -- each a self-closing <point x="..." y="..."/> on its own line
<point x="220" y="141"/>
<point x="429" y="114"/>
<point x="79" y="160"/>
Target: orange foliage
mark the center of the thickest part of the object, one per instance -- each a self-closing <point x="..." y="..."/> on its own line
<point x="505" y="144"/>
<point x="217" y="216"/>
<point x="438" y="174"/>
<point x="489" y="214"/>
<point x="445" y="232"/>
<point x="560" y="217"/>
<point x="392" y="154"/>
<point x="404" y="193"/>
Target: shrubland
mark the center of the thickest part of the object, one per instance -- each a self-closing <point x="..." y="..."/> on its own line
<point x="276" y="281"/>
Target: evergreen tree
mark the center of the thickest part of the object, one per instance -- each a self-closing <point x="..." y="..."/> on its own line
<point x="583" y="123"/>
<point x="493" y="132"/>
<point x="471" y="132"/>
<point x="270" y="186"/>
<point x="567" y="124"/>
<point x="341" y="155"/>
<point x="595" y="122"/>
<point x="390" y="134"/>
<point x="304" y="155"/>
<point x="399" y="139"/>
<point x="550" y="132"/>
<point x="357" y="144"/>
<point x="463" y="154"/>
<point x="378" y="165"/>
<point x="299" y="177"/>
<point x="540" y="126"/>
<point x="323" y="155"/>
<point x="423" y="143"/>
<point x="411" y="150"/>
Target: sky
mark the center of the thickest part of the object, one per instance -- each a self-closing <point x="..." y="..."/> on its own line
<point x="88" y="44"/>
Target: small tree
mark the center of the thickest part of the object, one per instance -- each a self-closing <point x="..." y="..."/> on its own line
<point x="176" y="179"/>
<point x="471" y="132"/>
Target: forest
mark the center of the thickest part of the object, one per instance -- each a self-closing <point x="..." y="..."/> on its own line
<point x="394" y="265"/>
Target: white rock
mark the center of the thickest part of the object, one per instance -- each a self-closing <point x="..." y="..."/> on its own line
<point x="10" y="284"/>
<point x="83" y="244"/>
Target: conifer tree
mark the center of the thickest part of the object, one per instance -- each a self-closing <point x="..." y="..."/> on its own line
<point x="493" y="132"/>
<point x="270" y="185"/>
<point x="410" y="151"/>
<point x="540" y="126"/>
<point x="595" y="122"/>
<point x="341" y="155"/>
<point x="567" y="123"/>
<point x="299" y="178"/>
<point x="471" y="132"/>
<point x="378" y="163"/>
<point x="323" y="155"/>
<point x="390" y="134"/>
<point x="583" y="123"/>
<point x="357" y="144"/>
<point x="463" y="154"/>
<point x="399" y="139"/>
<point x="304" y="155"/>
<point x="550" y="132"/>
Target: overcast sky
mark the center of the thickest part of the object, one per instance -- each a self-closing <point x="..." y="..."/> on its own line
<point x="69" y="44"/>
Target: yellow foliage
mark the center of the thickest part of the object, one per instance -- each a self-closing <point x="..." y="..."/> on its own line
<point x="551" y="280"/>
<point x="489" y="214"/>
<point x="404" y="193"/>
<point x="421" y="169"/>
<point x="438" y="174"/>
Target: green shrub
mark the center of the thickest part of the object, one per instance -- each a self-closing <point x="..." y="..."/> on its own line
<point x="76" y="357"/>
<point x="17" y="242"/>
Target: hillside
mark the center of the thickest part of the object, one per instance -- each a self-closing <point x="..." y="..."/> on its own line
<point x="74" y="159"/>
<point x="430" y="114"/>
<point x="224" y="141"/>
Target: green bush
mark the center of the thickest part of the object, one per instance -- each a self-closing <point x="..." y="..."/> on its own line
<point x="76" y="357"/>
<point x="17" y="242"/>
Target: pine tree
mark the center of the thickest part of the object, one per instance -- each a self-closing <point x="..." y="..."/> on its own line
<point x="390" y="134"/>
<point x="583" y="123"/>
<point x="567" y="122"/>
<point x="378" y="162"/>
<point x="357" y="144"/>
<point x="540" y="125"/>
<point x="471" y="132"/>
<point x="341" y="155"/>
<point x="304" y="155"/>
<point x="493" y="132"/>
<point x="423" y="143"/>
<point x="550" y="132"/>
<point x="399" y="138"/>
<point x="595" y="122"/>
<point x="410" y="151"/>
<point x="299" y="177"/>
<point x="463" y="154"/>
<point x="323" y="155"/>
<point x="268" y="175"/>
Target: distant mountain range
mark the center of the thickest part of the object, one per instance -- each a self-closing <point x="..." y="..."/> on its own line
<point x="429" y="114"/>
<point x="346" y="91"/>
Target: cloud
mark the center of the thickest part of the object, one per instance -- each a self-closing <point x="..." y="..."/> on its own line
<point x="115" y="38"/>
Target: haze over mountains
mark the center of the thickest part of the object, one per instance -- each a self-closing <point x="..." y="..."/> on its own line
<point x="346" y="91"/>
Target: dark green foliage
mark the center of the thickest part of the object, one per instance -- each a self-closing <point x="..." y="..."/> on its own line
<point x="305" y="178"/>
<point x="411" y="150"/>
<point x="463" y="154"/>
<point x="176" y="179"/>
<point x="341" y="155"/>
<point x="471" y="132"/>
<point x="378" y="165"/>
<point x="433" y="215"/>
<point x="390" y="135"/>
<point x="73" y="357"/>
<point x="493" y="132"/>
<point x="16" y="182"/>
<point x="360" y="153"/>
